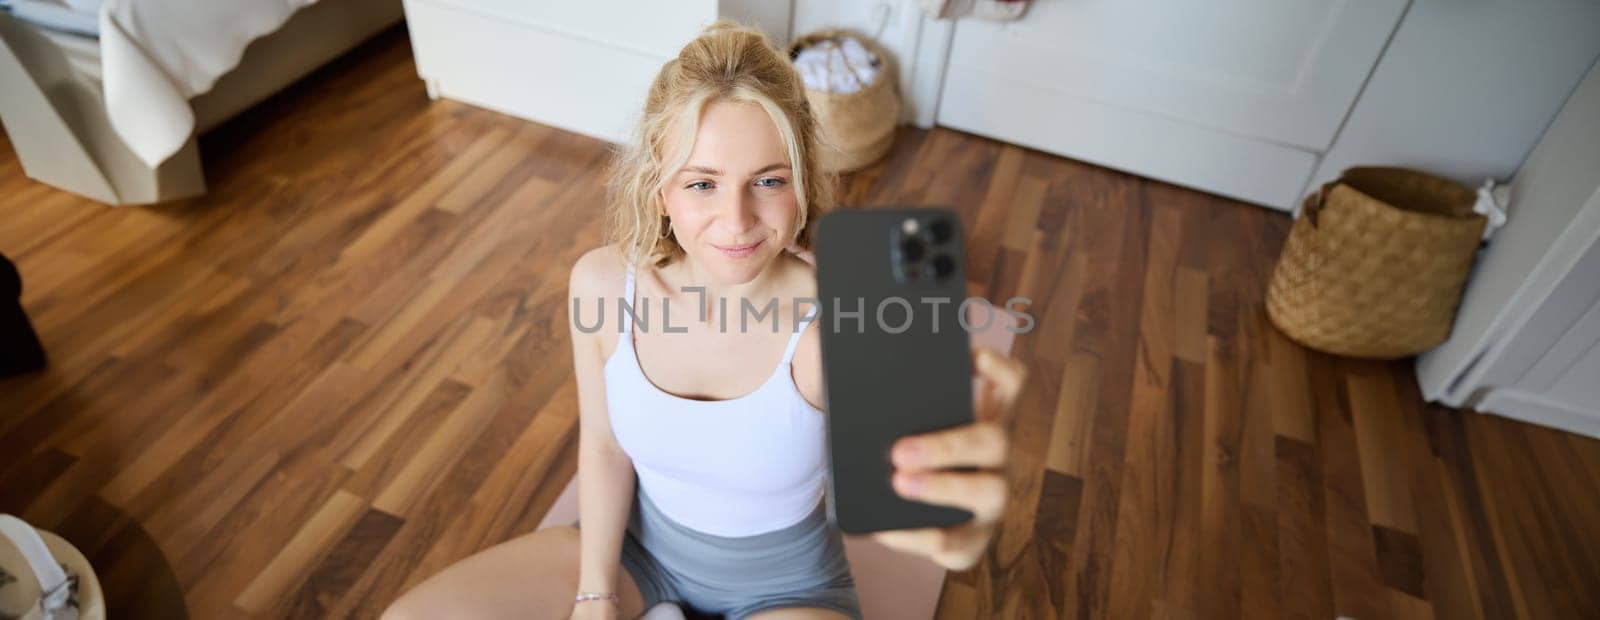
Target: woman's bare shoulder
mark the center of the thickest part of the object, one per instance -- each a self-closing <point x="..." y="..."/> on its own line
<point x="803" y="278"/>
<point x="598" y="272"/>
<point x="807" y="361"/>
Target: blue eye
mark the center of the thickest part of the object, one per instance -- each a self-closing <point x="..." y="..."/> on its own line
<point x="771" y="182"/>
<point x="699" y="186"/>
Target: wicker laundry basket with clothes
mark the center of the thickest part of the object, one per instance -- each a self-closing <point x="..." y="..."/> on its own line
<point x="851" y="84"/>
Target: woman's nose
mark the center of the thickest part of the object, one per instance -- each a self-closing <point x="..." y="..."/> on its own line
<point x="739" y="214"/>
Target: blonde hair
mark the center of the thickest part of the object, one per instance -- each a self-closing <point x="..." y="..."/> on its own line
<point x="727" y="62"/>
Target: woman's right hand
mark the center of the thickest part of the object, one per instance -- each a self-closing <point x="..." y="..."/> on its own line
<point x="595" y="610"/>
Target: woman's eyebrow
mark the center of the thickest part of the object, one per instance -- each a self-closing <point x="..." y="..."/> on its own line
<point x="717" y="173"/>
<point x="770" y="168"/>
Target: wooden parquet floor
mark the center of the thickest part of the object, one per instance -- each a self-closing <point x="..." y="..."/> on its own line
<point x="347" y="367"/>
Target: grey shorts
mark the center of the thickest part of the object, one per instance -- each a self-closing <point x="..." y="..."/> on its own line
<point x="802" y="565"/>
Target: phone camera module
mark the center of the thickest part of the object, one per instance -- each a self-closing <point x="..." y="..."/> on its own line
<point x="940" y="231"/>
<point x="909" y="273"/>
<point x="943" y="266"/>
<point x="911" y="249"/>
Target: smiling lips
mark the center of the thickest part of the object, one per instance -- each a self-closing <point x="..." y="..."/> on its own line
<point x="740" y="251"/>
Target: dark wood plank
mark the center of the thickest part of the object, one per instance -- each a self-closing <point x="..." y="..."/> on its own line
<point x="1114" y="231"/>
<point x="1353" y="567"/>
<point x="1400" y="560"/>
<point x="1221" y="535"/>
<point x="343" y="565"/>
<point x="1303" y="584"/>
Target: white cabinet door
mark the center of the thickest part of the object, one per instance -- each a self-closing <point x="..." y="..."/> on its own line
<point x="1235" y="97"/>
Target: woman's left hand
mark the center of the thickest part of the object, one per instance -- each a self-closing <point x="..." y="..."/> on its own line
<point x="921" y="460"/>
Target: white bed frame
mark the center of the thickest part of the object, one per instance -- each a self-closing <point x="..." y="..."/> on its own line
<point x="54" y="112"/>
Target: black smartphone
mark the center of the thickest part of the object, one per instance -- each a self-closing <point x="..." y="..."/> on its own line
<point x="895" y="359"/>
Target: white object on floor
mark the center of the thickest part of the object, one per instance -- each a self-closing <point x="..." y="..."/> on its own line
<point x="664" y="610"/>
<point x="840" y="65"/>
<point x="1492" y="204"/>
<point x="49" y="579"/>
<point x="157" y="54"/>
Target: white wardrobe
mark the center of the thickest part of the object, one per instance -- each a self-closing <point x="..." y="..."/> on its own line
<point x="1259" y="100"/>
<point x="1233" y="96"/>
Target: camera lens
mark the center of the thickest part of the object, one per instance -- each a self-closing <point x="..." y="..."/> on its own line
<point x="940" y="231"/>
<point x="943" y="266"/>
<point x="911" y="250"/>
<point x="909" y="273"/>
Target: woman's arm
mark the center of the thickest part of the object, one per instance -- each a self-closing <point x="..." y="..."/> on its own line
<point x="605" y="473"/>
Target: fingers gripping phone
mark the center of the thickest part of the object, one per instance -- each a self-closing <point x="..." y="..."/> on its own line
<point x="895" y="357"/>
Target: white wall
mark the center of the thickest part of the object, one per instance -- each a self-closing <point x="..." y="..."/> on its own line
<point x="770" y="16"/>
<point x="1466" y="87"/>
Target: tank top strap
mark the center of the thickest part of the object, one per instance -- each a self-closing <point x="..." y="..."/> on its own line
<point x="627" y="294"/>
<point x="794" y="339"/>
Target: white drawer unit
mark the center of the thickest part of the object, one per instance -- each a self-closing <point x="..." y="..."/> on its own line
<point x="580" y="66"/>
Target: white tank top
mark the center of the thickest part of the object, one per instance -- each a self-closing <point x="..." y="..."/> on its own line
<point x="735" y="467"/>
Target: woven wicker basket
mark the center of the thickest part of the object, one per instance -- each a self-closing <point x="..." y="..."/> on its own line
<point x="859" y="126"/>
<point x="1375" y="265"/>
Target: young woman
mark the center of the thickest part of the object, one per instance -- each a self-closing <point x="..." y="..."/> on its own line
<point x="702" y="439"/>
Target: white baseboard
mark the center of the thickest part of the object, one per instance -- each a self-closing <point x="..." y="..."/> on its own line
<point x="1536" y="409"/>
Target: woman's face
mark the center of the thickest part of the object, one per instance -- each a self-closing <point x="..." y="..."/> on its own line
<point x="733" y="205"/>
